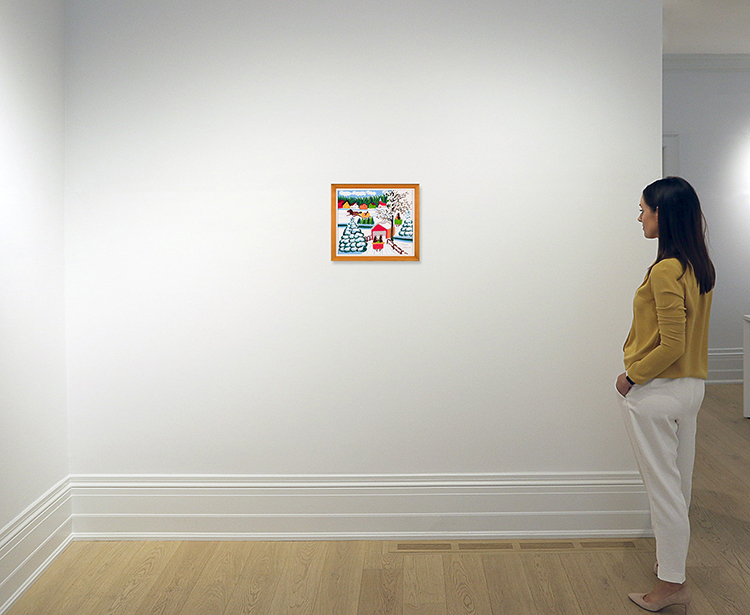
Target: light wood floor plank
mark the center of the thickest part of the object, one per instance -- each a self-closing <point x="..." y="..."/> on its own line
<point x="507" y="585"/>
<point x="381" y="592"/>
<point x="303" y="570"/>
<point x="259" y="579"/>
<point x="93" y="587"/>
<point x="177" y="579"/>
<point x="424" y="584"/>
<point x="379" y="557"/>
<point x="549" y="584"/>
<point x="723" y="592"/>
<point x="726" y="443"/>
<point x="341" y="579"/>
<point x="726" y="403"/>
<point x="591" y="583"/>
<point x="712" y="465"/>
<point x="707" y="545"/>
<point x="130" y="582"/>
<point x="219" y="580"/>
<point x="727" y="536"/>
<point x="628" y="572"/>
<point x="701" y="603"/>
<point x="466" y="585"/>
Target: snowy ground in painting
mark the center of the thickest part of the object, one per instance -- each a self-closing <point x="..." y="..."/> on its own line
<point x="344" y="219"/>
<point x="406" y="246"/>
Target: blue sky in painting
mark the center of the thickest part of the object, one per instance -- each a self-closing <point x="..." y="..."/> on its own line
<point x="359" y="193"/>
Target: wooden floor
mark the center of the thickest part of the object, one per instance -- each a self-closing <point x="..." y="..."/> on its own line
<point x="501" y="577"/>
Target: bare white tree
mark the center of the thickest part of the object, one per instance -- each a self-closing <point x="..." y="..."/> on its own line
<point x="396" y="202"/>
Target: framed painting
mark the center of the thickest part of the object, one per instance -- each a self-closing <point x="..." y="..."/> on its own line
<point x="375" y="222"/>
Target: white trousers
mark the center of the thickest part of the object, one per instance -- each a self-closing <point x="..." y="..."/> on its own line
<point x="661" y="418"/>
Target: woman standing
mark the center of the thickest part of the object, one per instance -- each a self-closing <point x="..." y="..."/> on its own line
<point x="666" y="362"/>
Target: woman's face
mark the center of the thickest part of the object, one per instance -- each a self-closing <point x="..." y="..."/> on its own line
<point x="649" y="218"/>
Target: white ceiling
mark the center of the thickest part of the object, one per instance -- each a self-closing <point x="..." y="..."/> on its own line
<point x="706" y="26"/>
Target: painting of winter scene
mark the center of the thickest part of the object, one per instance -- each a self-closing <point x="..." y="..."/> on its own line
<point x="375" y="222"/>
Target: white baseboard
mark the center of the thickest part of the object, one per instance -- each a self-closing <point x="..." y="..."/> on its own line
<point x="359" y="507"/>
<point x="32" y="541"/>
<point x="725" y="366"/>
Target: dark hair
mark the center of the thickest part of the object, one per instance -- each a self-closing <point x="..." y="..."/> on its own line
<point x="682" y="228"/>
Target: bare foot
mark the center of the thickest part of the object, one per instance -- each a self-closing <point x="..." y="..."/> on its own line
<point x="662" y="591"/>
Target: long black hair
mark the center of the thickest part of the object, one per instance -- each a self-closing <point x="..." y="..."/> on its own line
<point x="682" y="228"/>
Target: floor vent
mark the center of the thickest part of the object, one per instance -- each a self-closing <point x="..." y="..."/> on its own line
<point x="424" y="546"/>
<point x="610" y="544"/>
<point x="522" y="546"/>
<point x="547" y="546"/>
<point x="484" y="546"/>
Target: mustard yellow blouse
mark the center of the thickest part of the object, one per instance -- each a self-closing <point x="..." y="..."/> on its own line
<point x="669" y="334"/>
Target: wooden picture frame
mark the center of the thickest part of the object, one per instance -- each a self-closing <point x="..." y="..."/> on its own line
<point x="374" y="222"/>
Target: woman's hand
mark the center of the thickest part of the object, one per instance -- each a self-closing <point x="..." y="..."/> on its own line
<point x="622" y="385"/>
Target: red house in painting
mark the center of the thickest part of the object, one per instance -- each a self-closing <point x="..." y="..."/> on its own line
<point x="379" y="235"/>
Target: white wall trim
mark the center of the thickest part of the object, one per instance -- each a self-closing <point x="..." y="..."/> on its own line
<point x="30" y="542"/>
<point x="359" y="507"/>
<point x="725" y="366"/>
<point x="710" y="61"/>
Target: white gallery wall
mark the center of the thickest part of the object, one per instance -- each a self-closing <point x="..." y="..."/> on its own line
<point x="33" y="428"/>
<point x="707" y="118"/>
<point x="33" y="421"/>
<point x="210" y="337"/>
